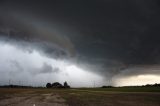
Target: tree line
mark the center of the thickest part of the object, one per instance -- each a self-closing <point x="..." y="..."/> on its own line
<point x="57" y="85"/>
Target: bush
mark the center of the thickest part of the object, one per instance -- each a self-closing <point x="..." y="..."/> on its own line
<point x="57" y="85"/>
<point x="49" y="85"/>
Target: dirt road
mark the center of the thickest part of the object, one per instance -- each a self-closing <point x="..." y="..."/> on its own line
<point x="33" y="100"/>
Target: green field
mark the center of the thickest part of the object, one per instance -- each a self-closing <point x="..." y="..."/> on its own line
<point x="126" y="96"/>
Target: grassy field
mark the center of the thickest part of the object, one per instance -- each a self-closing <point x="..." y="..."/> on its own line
<point x="128" y="96"/>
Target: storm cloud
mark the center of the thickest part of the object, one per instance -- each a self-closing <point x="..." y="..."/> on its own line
<point x="109" y="38"/>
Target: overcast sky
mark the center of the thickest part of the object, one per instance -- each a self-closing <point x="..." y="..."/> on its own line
<point x="85" y="42"/>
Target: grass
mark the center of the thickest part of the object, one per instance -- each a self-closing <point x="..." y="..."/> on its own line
<point x="112" y="96"/>
<point x="125" y="89"/>
<point x="126" y="96"/>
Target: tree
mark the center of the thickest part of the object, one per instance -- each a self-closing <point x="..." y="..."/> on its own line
<point x="49" y="85"/>
<point x="66" y="85"/>
<point x="57" y="85"/>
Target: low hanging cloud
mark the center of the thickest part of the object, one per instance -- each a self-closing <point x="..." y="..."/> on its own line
<point x="46" y="68"/>
<point x="140" y="70"/>
<point x="45" y="48"/>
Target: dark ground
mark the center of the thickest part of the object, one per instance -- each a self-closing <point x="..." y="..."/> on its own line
<point x="80" y="97"/>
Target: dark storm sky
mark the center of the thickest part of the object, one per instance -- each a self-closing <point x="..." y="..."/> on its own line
<point x="108" y="35"/>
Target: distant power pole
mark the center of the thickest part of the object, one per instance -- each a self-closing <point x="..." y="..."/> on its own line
<point x="94" y="84"/>
<point x="110" y="81"/>
<point x="19" y="83"/>
<point x="9" y="82"/>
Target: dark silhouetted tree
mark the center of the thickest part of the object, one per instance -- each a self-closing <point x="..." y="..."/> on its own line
<point x="57" y="85"/>
<point x="49" y="85"/>
<point x="66" y="85"/>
